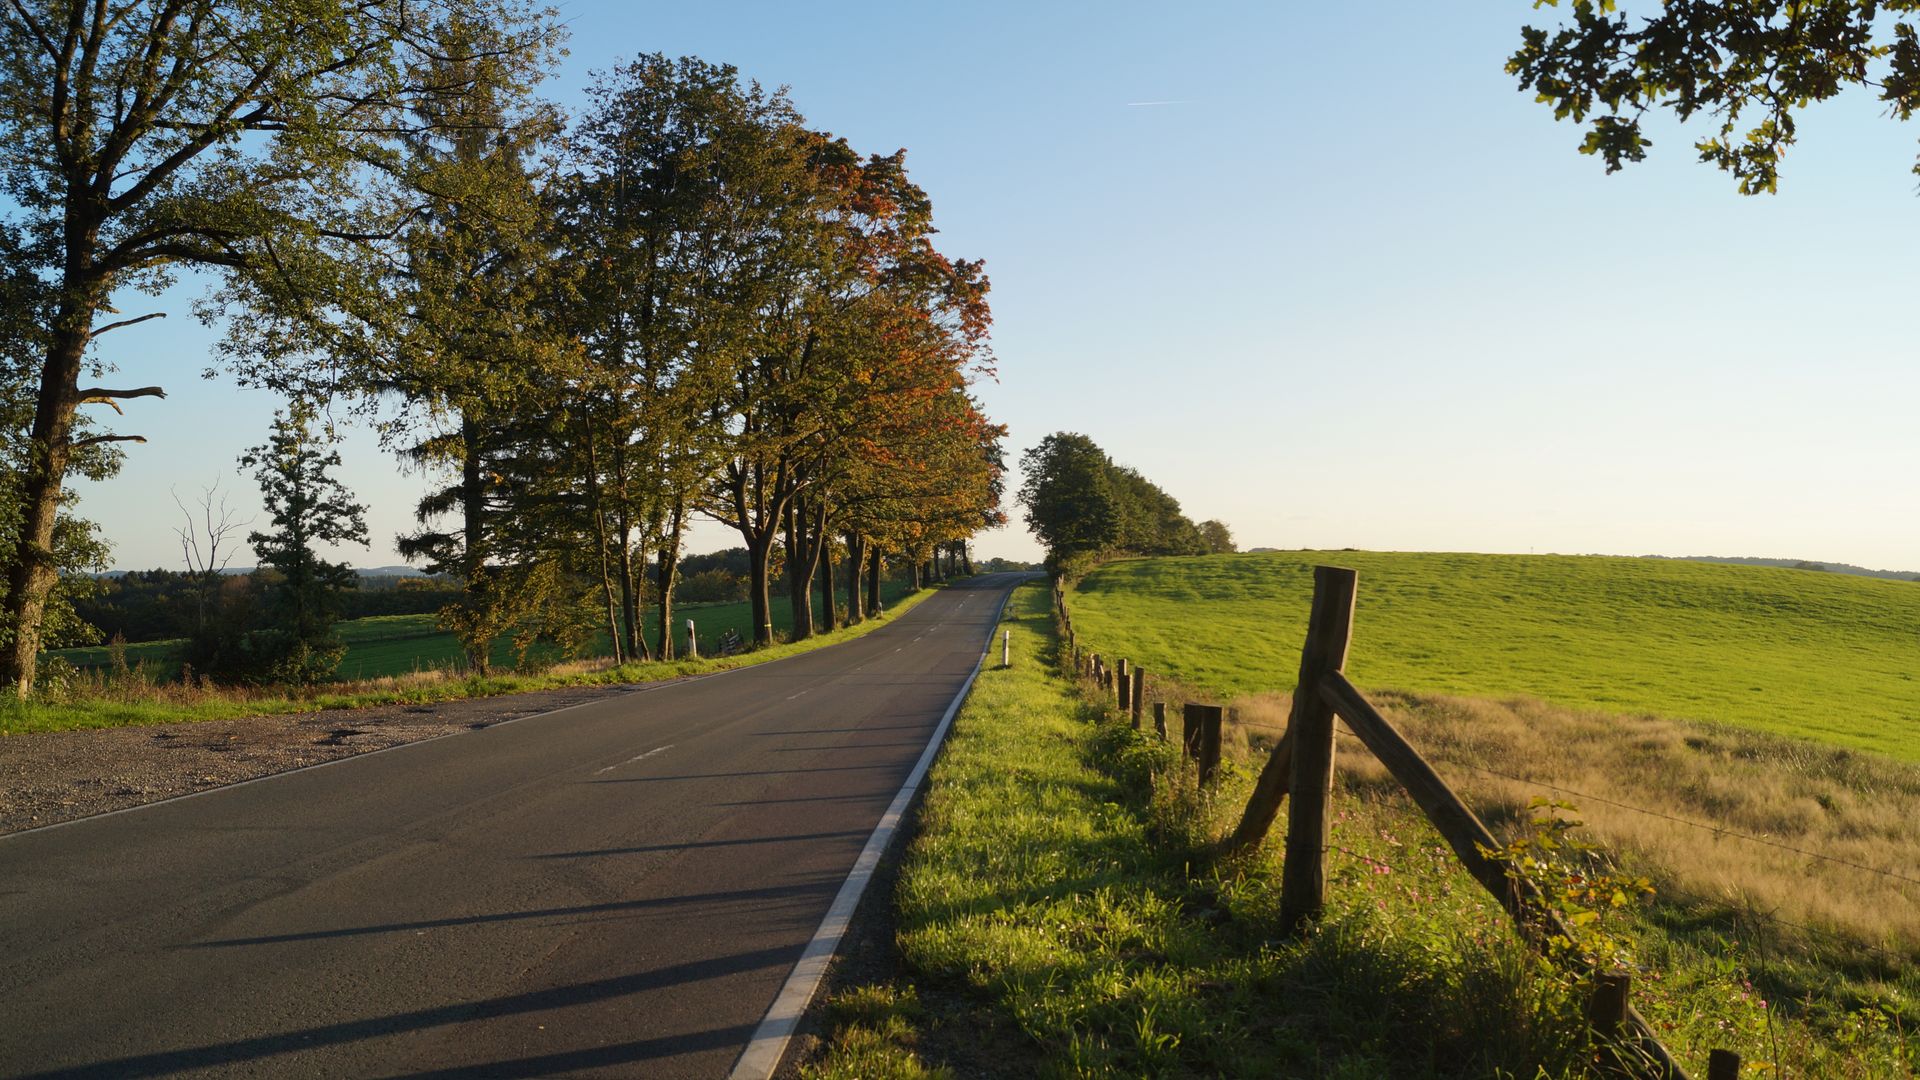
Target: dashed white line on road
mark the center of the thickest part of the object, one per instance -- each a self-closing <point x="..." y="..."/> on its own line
<point x="636" y="757"/>
<point x="808" y="690"/>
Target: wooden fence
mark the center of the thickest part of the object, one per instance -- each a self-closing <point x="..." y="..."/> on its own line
<point x="1301" y="764"/>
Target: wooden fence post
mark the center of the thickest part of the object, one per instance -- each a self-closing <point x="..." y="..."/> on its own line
<point x="1139" y="696"/>
<point x="1160" y="720"/>
<point x="1203" y="731"/>
<point x="1303" y="879"/>
<point x="1607" y="1016"/>
<point x="1607" y="1007"/>
<point x="1125" y="687"/>
<point x="1723" y="1065"/>
<point x="1190" y="732"/>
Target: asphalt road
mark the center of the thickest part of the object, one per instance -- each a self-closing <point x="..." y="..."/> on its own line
<point x="617" y="889"/>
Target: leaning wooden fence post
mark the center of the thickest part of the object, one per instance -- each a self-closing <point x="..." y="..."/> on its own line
<point x="1139" y="696"/>
<point x="1125" y="687"/>
<point x="1190" y="732"/>
<point x="1160" y="720"/>
<point x="1723" y="1065"/>
<point x="1303" y="878"/>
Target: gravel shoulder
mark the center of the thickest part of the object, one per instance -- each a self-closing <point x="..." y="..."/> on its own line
<point x="50" y="777"/>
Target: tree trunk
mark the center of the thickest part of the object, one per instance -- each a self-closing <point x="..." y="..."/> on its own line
<point x="873" y="581"/>
<point x="669" y="570"/>
<point x="799" y="598"/>
<point x="913" y="573"/>
<point x="966" y="560"/>
<point x="473" y="533"/>
<point x="828" y="609"/>
<point x="758" y="551"/>
<point x="856" y="562"/>
<point x="629" y="602"/>
<point x="596" y="506"/>
<point x="31" y="578"/>
<point x="636" y="634"/>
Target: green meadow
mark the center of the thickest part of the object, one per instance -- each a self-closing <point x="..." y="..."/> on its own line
<point x="387" y="645"/>
<point x="101" y="697"/>
<point x="1823" y="656"/>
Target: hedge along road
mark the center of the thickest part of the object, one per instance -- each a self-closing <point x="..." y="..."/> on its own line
<point x="619" y="888"/>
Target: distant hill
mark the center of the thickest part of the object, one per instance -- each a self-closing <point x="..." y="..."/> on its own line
<point x="1796" y="564"/>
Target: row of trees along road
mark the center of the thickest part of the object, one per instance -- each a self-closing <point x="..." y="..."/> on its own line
<point x="685" y="301"/>
<point x="1083" y="507"/>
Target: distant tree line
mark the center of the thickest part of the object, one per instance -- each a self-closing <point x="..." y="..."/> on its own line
<point x="684" y="300"/>
<point x="1083" y="507"/>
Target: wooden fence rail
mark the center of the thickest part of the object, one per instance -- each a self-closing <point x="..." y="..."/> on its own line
<point x="1301" y="764"/>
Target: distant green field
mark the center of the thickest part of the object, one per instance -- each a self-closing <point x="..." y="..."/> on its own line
<point x="399" y="644"/>
<point x="1822" y="656"/>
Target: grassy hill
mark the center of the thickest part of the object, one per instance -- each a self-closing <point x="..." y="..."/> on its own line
<point x="1821" y="656"/>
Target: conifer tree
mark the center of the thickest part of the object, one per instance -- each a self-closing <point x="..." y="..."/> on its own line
<point x="307" y="507"/>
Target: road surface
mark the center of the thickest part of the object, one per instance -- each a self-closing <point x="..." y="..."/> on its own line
<point x="617" y="889"/>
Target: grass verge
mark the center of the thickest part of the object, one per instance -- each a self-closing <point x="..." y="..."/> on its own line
<point x="121" y="703"/>
<point x="1048" y="894"/>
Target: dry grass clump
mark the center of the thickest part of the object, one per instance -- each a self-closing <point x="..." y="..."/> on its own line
<point x="1671" y="795"/>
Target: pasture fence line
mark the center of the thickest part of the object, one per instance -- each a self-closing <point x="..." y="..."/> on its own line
<point x="1301" y="764"/>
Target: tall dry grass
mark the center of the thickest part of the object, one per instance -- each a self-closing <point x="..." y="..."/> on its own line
<point x="1670" y="796"/>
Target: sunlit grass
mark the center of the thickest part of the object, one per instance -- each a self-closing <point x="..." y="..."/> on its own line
<point x="1832" y="946"/>
<point x="1813" y="655"/>
<point x="1048" y="885"/>
<point x="110" y="699"/>
<point x="386" y="645"/>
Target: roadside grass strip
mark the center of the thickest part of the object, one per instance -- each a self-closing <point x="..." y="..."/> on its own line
<point x="110" y="701"/>
<point x="1048" y="924"/>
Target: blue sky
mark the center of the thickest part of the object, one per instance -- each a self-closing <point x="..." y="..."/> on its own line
<point x="1348" y="287"/>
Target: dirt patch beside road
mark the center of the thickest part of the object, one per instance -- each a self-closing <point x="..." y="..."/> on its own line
<point x="49" y="777"/>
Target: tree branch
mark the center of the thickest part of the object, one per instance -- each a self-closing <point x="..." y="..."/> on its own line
<point x="91" y="440"/>
<point x="128" y="322"/>
<point x="93" y="394"/>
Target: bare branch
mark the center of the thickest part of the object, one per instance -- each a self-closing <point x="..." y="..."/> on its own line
<point x="94" y="395"/>
<point x="92" y="439"/>
<point x="128" y="322"/>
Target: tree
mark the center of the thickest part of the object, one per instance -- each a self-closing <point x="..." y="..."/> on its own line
<point x="206" y="547"/>
<point x="663" y="207"/>
<point x="1081" y="505"/>
<point x="307" y="507"/>
<point x="1217" y="538"/>
<point x="1071" y="506"/>
<point x="244" y="135"/>
<point x="77" y="549"/>
<point x="1751" y="65"/>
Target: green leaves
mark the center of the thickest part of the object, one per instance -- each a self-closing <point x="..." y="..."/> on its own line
<point x="1750" y="63"/>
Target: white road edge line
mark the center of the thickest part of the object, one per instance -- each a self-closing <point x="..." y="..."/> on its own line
<point x="636" y="757"/>
<point x="769" y="1043"/>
